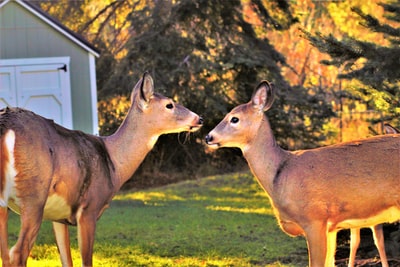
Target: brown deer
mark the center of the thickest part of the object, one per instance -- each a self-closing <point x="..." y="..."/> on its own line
<point x="315" y="192"/>
<point x="377" y="230"/>
<point x="69" y="177"/>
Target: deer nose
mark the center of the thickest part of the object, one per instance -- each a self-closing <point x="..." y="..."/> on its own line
<point x="209" y="138"/>
<point x="201" y="121"/>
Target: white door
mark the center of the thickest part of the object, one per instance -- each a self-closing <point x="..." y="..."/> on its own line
<point x="41" y="85"/>
<point x="7" y="87"/>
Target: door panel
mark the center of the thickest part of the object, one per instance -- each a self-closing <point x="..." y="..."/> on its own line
<point x="39" y="90"/>
<point x="8" y="95"/>
<point x="40" y="85"/>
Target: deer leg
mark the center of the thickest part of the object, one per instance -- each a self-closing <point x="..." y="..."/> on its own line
<point x="63" y="243"/>
<point x="316" y="236"/>
<point x="4" y="236"/>
<point x="86" y="232"/>
<point x="354" y="243"/>
<point x="31" y="220"/>
<point x="379" y="239"/>
<point x="331" y="248"/>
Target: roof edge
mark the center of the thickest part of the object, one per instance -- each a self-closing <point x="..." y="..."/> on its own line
<point x="57" y="25"/>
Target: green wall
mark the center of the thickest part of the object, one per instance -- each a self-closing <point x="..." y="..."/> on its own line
<point x="23" y="35"/>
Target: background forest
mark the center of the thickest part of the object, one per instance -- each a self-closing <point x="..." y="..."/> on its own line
<point x="335" y="65"/>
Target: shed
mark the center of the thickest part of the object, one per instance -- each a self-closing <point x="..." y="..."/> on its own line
<point x="47" y="68"/>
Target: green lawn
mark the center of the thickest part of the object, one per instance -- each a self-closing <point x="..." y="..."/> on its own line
<point x="216" y="221"/>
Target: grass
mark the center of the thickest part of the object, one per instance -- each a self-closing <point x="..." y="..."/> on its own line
<point x="216" y="221"/>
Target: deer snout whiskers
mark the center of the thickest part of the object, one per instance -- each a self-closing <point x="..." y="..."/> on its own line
<point x="209" y="138"/>
<point x="198" y="124"/>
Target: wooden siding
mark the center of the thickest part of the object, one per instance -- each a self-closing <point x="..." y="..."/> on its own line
<point x="23" y="35"/>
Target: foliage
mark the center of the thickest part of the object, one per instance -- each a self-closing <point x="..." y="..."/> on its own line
<point x="207" y="55"/>
<point x="216" y="221"/>
<point x="371" y="67"/>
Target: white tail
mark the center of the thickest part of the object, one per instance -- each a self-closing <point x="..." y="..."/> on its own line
<point x="377" y="230"/>
<point x="316" y="192"/>
<point x="49" y="172"/>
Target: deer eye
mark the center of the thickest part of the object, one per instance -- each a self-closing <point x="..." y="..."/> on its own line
<point x="169" y="106"/>
<point x="234" y="120"/>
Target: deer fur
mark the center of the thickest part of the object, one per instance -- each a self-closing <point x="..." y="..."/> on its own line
<point x="315" y="192"/>
<point x="48" y="172"/>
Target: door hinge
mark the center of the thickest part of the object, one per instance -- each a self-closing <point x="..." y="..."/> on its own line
<point x="63" y="68"/>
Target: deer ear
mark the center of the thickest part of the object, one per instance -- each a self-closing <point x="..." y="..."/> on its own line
<point x="143" y="90"/>
<point x="147" y="87"/>
<point x="263" y="96"/>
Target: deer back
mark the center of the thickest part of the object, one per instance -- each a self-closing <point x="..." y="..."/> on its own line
<point x="48" y="155"/>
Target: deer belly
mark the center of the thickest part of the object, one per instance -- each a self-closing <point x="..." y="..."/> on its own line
<point x="56" y="208"/>
<point x="389" y="215"/>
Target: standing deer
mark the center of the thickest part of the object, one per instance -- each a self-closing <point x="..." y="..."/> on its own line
<point x="377" y="230"/>
<point x="52" y="173"/>
<point x="315" y="192"/>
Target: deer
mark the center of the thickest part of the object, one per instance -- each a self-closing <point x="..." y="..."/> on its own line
<point x="315" y="192"/>
<point x="377" y="230"/>
<point x="48" y="172"/>
<point x="389" y="129"/>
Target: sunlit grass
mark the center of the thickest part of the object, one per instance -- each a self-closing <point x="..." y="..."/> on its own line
<point x="216" y="221"/>
<point x="244" y="210"/>
<point x="148" y="197"/>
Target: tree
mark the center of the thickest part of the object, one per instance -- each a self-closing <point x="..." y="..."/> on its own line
<point x="207" y="56"/>
<point x="373" y="65"/>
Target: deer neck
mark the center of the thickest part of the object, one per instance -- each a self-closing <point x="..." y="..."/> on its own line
<point x="129" y="145"/>
<point x="264" y="156"/>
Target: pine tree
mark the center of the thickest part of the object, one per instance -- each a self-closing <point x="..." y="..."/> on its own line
<point x="380" y="73"/>
<point x="208" y="56"/>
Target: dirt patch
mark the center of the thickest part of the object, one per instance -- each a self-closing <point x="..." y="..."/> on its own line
<point x="367" y="254"/>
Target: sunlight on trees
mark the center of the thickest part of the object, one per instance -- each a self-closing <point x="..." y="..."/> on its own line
<point x="112" y="111"/>
<point x="304" y="60"/>
<point x="209" y="57"/>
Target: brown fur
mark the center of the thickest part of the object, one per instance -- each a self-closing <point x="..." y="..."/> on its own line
<point x="70" y="177"/>
<point x="316" y="192"/>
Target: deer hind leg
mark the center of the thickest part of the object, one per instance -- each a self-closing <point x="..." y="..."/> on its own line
<point x="31" y="219"/>
<point x="379" y="239"/>
<point x="63" y="243"/>
<point x="354" y="243"/>
<point x="7" y="174"/>
<point x="4" y="236"/>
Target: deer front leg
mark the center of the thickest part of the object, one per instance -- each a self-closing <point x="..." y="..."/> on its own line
<point x="331" y="248"/>
<point x="4" y="236"/>
<point x="63" y="243"/>
<point x="316" y="235"/>
<point x="86" y="232"/>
